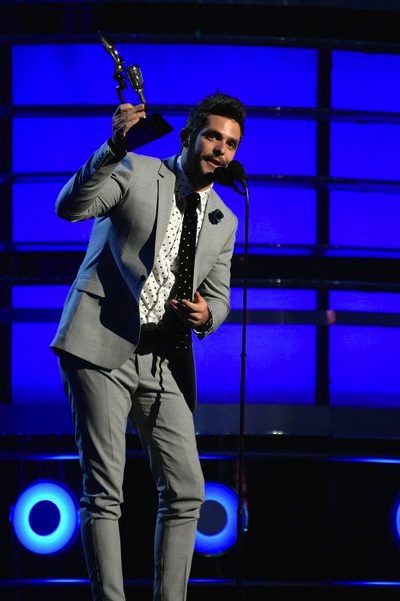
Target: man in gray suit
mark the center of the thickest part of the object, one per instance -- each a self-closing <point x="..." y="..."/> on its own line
<point x="115" y="340"/>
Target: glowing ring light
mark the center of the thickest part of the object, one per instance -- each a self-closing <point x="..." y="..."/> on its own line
<point x="215" y="544"/>
<point x="398" y="520"/>
<point x="67" y="525"/>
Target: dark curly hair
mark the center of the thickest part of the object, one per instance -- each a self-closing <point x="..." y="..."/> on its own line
<point x="215" y="104"/>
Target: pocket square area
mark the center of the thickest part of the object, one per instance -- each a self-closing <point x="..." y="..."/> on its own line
<point x="215" y="216"/>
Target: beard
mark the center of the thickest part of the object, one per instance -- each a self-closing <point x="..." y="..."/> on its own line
<point x="193" y="169"/>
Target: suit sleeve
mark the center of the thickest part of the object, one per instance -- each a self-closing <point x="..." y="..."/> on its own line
<point x="98" y="186"/>
<point x="217" y="285"/>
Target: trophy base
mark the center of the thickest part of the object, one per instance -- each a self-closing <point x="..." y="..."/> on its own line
<point x="147" y="130"/>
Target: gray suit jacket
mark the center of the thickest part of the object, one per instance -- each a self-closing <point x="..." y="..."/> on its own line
<point x="131" y="202"/>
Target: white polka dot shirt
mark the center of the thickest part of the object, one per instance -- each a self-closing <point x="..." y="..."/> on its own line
<point x="158" y="286"/>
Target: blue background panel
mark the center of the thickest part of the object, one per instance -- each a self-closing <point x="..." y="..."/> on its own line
<point x="352" y="77"/>
<point x="278" y="300"/>
<point x="65" y="143"/>
<point x="35" y="374"/>
<point x="35" y="377"/>
<point x="280" y="365"/>
<point x="39" y="297"/>
<point x="35" y="220"/>
<point x="367" y="151"/>
<point x="364" y="219"/>
<point x="276" y="215"/>
<point x="385" y="302"/>
<point x="279" y="147"/>
<point x="83" y="73"/>
<point x="363" y="368"/>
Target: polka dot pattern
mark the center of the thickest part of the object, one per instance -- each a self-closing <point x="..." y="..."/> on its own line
<point x="157" y="288"/>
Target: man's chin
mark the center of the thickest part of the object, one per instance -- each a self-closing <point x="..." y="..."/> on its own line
<point x="207" y="177"/>
<point x="203" y="180"/>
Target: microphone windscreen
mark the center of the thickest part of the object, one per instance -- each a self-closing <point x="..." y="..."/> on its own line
<point x="237" y="171"/>
<point x="223" y="176"/>
<point x="227" y="176"/>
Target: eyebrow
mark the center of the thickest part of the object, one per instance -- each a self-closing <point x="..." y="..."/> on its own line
<point x="211" y="130"/>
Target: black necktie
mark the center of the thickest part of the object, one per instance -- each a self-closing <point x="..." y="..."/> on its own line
<point x="187" y="251"/>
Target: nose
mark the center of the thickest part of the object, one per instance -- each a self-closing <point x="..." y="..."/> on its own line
<point x="219" y="148"/>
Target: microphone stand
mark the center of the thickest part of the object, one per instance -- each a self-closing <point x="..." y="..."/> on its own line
<point x="242" y="403"/>
<point x="229" y="177"/>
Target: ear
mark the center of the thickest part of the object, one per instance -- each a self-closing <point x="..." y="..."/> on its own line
<point x="184" y="137"/>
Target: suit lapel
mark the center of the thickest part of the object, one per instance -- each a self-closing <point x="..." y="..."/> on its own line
<point x="166" y="187"/>
<point x="209" y="242"/>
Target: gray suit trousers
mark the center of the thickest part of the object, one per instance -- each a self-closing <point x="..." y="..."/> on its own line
<point x="144" y="391"/>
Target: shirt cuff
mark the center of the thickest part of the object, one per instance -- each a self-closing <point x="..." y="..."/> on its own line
<point x="206" y="327"/>
<point x="118" y="150"/>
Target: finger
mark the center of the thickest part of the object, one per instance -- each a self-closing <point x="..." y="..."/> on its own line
<point x="127" y="114"/>
<point x="126" y="106"/>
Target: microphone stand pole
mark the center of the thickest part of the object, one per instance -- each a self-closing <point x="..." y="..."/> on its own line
<point x="242" y="403"/>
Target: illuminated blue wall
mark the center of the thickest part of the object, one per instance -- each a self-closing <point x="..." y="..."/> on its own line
<point x="47" y="146"/>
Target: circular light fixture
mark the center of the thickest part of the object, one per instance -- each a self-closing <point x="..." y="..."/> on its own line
<point x="397" y="520"/>
<point x="217" y="527"/>
<point x="32" y="510"/>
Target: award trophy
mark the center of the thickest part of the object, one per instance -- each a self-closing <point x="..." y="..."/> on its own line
<point x="152" y="126"/>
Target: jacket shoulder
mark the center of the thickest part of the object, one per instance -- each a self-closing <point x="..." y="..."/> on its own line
<point x="162" y="166"/>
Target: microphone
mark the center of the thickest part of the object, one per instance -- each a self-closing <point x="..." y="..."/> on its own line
<point x="227" y="176"/>
<point x="135" y="77"/>
<point x="237" y="172"/>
